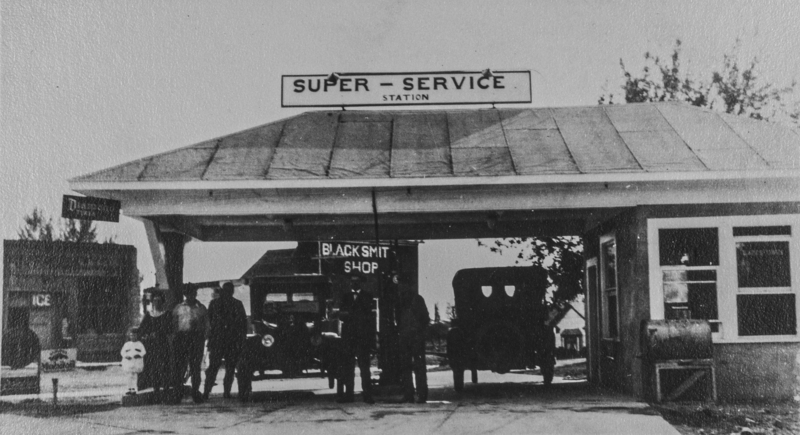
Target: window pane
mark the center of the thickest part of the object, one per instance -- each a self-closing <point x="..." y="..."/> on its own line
<point x="297" y="297"/>
<point x="763" y="264"/>
<point x="703" y="301"/>
<point x="784" y="230"/>
<point x="690" y="294"/>
<point x="688" y="247"/>
<point x="609" y="257"/>
<point x="766" y="314"/>
<point x="701" y="275"/>
<point x="277" y="297"/>
<point x="676" y="292"/>
<point x="612" y="315"/>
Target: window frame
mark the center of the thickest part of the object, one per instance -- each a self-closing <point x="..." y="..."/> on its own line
<point x="765" y="291"/>
<point x="605" y="292"/>
<point x="727" y="272"/>
<point x="684" y="268"/>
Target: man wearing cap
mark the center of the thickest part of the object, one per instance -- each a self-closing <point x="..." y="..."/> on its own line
<point x="358" y="337"/>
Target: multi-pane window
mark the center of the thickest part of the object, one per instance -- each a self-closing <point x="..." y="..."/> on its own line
<point x="765" y="302"/>
<point x="608" y="285"/>
<point x="689" y="260"/>
<point x="737" y="272"/>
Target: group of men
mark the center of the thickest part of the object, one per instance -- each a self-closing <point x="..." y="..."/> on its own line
<point x="225" y="324"/>
<point x="358" y="336"/>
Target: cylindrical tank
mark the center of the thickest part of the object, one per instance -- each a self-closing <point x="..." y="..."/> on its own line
<point x="676" y="339"/>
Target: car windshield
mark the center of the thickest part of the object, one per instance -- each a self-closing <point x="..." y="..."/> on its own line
<point x="277" y="297"/>
<point x="297" y="297"/>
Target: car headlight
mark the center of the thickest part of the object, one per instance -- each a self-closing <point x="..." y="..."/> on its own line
<point x="267" y="340"/>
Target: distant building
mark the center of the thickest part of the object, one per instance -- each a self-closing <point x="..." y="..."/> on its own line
<point x="571" y="329"/>
<point x="74" y="295"/>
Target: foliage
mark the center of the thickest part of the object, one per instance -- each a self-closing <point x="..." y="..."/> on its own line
<point x="436" y="335"/>
<point x="735" y="87"/>
<point x="36" y="227"/>
<point x="561" y="257"/>
<point x="436" y="318"/>
<point x="80" y="231"/>
<point x="40" y="228"/>
<point x="450" y="310"/>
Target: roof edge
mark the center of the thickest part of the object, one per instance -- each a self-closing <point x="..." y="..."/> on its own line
<point x="326" y="184"/>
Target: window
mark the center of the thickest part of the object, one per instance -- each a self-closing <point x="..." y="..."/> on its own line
<point x="765" y="302"/>
<point x="303" y="297"/>
<point x="608" y="285"/>
<point x="277" y="297"/>
<point x="689" y="259"/>
<point x="738" y="272"/>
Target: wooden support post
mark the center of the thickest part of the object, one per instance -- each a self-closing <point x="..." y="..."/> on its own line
<point x="166" y="249"/>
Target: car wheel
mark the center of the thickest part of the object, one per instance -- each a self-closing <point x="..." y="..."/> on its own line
<point x="458" y="379"/>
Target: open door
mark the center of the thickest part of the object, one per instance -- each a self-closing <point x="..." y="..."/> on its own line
<point x="592" y="319"/>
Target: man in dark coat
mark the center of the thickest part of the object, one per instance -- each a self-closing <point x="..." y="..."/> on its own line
<point x="358" y="337"/>
<point x="412" y="324"/>
<point x="226" y="336"/>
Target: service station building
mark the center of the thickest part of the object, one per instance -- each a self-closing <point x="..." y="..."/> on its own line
<point x="685" y="213"/>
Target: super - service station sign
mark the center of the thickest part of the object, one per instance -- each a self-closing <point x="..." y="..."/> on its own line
<point x="405" y="89"/>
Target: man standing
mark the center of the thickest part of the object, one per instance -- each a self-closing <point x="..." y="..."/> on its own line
<point x="358" y="337"/>
<point x="412" y="324"/>
<point x="191" y="327"/>
<point x="228" y="332"/>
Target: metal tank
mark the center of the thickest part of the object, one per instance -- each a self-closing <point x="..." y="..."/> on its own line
<point x="687" y="339"/>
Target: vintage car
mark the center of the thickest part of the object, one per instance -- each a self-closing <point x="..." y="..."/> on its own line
<point x="292" y="334"/>
<point x="501" y="323"/>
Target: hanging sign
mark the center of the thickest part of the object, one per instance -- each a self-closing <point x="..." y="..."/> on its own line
<point x="354" y="258"/>
<point x="405" y="89"/>
<point x="90" y="208"/>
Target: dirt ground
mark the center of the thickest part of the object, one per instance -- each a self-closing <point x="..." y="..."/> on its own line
<point x="714" y="419"/>
<point x="689" y="418"/>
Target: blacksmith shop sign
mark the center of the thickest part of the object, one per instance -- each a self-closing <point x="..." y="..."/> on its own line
<point x="405" y="89"/>
<point x="90" y="208"/>
<point x="354" y="258"/>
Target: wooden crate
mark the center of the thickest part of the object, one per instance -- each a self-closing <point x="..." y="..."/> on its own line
<point x="697" y="377"/>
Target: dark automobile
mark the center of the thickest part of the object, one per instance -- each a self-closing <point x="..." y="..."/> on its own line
<point x="501" y="323"/>
<point x="292" y="334"/>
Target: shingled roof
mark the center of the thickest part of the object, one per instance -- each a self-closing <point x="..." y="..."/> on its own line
<point x="320" y="145"/>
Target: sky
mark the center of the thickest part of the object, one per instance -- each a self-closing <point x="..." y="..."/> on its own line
<point x="86" y="85"/>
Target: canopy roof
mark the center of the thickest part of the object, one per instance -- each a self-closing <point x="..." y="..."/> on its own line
<point x="350" y="163"/>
